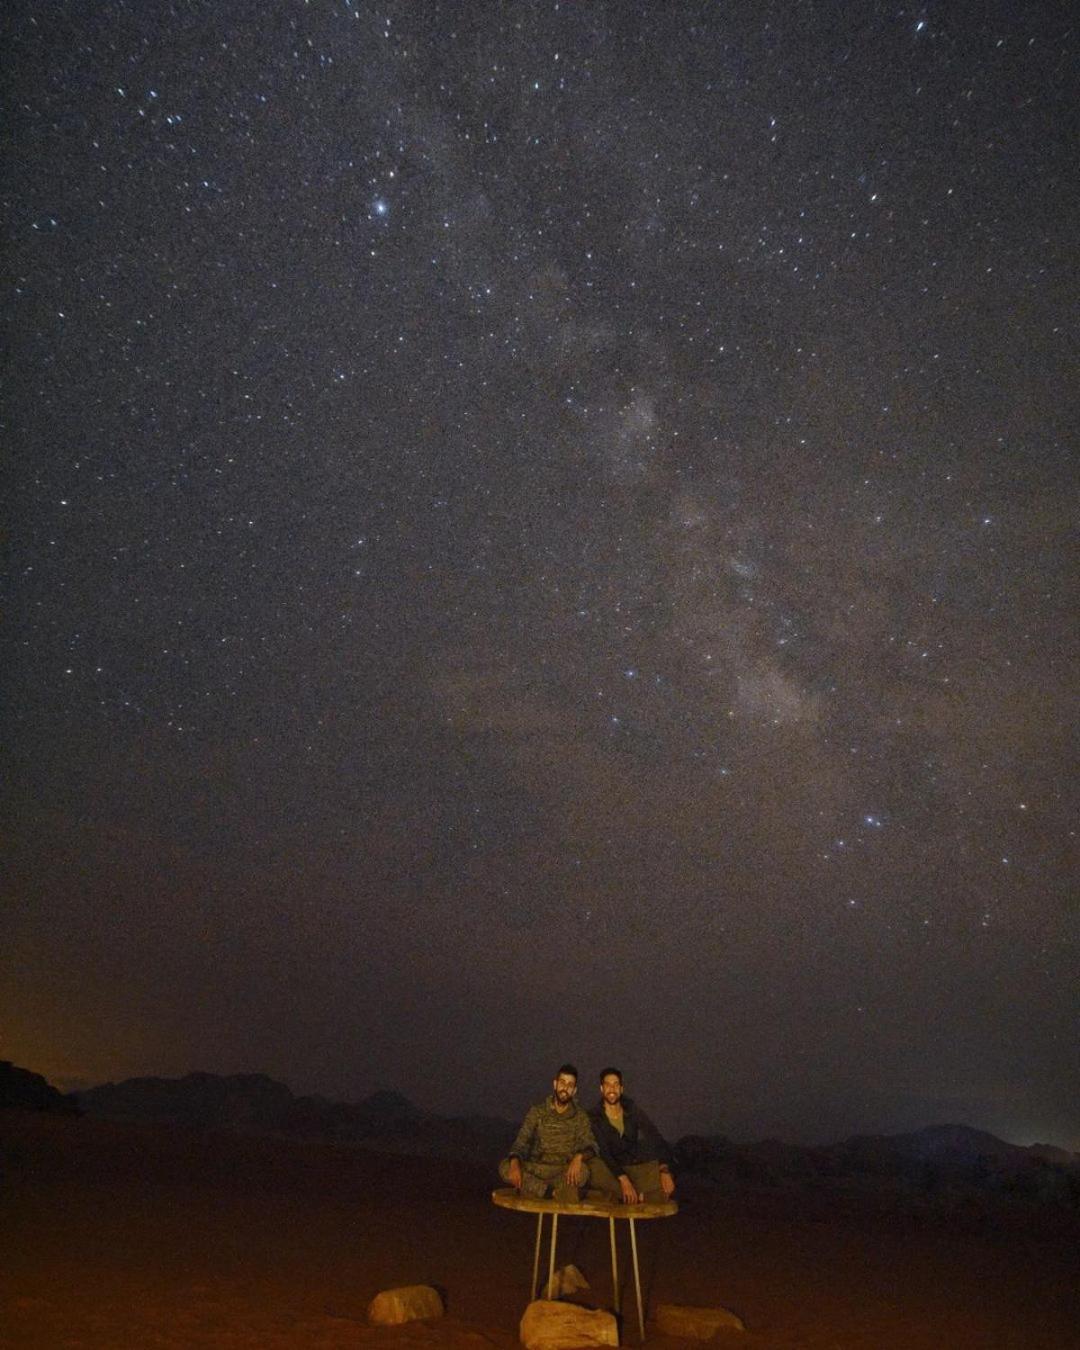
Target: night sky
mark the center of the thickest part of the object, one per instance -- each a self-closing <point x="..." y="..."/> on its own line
<point x="543" y="531"/>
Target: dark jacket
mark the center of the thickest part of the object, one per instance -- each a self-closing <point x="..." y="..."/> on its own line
<point x="639" y="1142"/>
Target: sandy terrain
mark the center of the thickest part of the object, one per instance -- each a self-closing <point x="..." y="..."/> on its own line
<point x="131" y="1236"/>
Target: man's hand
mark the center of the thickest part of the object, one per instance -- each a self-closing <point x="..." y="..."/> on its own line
<point x="630" y="1194"/>
<point x="514" y="1171"/>
<point x="667" y="1184"/>
<point x="575" y="1171"/>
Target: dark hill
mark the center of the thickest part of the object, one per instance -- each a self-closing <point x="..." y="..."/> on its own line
<point x="203" y="1100"/>
<point x="936" y="1162"/>
<point x="21" y="1089"/>
<point x="254" y="1103"/>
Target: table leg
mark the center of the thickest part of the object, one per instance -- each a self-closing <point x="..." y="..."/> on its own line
<point x="615" y="1300"/>
<point x="536" y="1254"/>
<point x="551" y="1257"/>
<point x="637" y="1279"/>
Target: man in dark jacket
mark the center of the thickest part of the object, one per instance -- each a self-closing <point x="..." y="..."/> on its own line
<point x="634" y="1162"/>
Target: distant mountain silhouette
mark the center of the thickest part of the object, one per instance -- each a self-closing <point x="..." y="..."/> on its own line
<point x="257" y="1104"/>
<point x="203" y="1100"/>
<point x="29" y="1091"/>
<point x="934" y="1161"/>
<point x="938" y="1163"/>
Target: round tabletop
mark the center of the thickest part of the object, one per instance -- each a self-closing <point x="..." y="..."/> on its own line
<point x="507" y="1198"/>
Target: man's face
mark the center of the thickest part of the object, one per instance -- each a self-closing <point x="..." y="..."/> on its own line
<point x="565" y="1086"/>
<point x="611" y="1089"/>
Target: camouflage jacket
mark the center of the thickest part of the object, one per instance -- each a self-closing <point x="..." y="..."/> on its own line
<point x="550" y="1136"/>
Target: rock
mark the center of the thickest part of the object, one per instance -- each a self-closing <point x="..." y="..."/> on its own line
<point x="562" y="1326"/>
<point x="408" y="1304"/>
<point x="695" y="1324"/>
<point x="567" y="1280"/>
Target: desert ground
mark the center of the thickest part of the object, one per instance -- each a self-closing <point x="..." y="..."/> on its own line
<point x="150" y="1236"/>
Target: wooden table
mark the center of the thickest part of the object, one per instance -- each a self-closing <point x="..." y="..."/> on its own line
<point x="507" y="1198"/>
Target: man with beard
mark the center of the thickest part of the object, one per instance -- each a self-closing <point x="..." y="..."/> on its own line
<point x="634" y="1162"/>
<point x="551" y="1153"/>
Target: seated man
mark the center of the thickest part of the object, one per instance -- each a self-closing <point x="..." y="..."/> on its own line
<point x="551" y="1152"/>
<point x="634" y="1162"/>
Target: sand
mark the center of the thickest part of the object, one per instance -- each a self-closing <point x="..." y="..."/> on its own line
<point x="133" y="1236"/>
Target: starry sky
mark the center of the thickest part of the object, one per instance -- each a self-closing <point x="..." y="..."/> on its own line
<point x="543" y="531"/>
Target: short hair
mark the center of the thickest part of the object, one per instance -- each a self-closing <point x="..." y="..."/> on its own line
<point x="568" y="1068"/>
<point x="609" y="1070"/>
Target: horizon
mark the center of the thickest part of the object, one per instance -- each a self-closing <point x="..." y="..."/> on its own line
<point x="74" y="1086"/>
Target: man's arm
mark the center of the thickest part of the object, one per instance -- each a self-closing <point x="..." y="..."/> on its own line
<point x="650" y="1137"/>
<point x="584" y="1146"/>
<point x="605" y="1135"/>
<point x="584" y="1139"/>
<point x="652" y="1142"/>
<point x="522" y="1147"/>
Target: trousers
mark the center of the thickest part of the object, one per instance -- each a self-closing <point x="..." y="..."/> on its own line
<point x="544" y="1180"/>
<point x="645" y="1176"/>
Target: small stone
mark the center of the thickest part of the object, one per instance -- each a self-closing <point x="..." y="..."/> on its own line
<point x="695" y="1324"/>
<point x="547" y="1325"/>
<point x="566" y="1280"/>
<point x="408" y="1304"/>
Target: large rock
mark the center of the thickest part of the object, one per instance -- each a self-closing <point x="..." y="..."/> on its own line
<point x="565" y="1326"/>
<point x="408" y="1304"/>
<point x="695" y="1324"/>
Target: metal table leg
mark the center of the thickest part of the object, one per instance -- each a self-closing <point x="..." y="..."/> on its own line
<point x="551" y="1256"/>
<point x="615" y="1300"/>
<point x="536" y="1255"/>
<point x="637" y="1279"/>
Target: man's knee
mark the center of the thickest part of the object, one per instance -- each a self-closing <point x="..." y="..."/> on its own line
<point x="566" y="1192"/>
<point x="531" y="1184"/>
<point x="646" y="1179"/>
<point x="602" y="1178"/>
<point x="536" y="1187"/>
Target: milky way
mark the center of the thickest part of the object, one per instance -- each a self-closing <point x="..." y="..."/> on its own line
<point x="543" y="531"/>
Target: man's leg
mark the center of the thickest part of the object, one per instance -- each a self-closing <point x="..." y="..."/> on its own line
<point x="536" y="1178"/>
<point x="646" y="1179"/>
<point x="602" y="1179"/>
<point x="564" y="1192"/>
<point x="539" y="1178"/>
